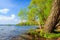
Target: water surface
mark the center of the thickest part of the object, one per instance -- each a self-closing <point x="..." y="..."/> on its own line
<point x="7" y="32"/>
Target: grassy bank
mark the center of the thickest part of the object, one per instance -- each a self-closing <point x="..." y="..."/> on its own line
<point x="45" y="35"/>
<point x="27" y="24"/>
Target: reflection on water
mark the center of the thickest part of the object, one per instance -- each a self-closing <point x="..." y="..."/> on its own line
<point x="7" y="32"/>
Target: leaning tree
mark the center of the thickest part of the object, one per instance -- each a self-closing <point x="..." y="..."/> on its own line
<point x="43" y="9"/>
<point x="53" y="19"/>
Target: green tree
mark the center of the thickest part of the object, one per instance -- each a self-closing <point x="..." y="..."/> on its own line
<point x="23" y="15"/>
<point x="53" y="18"/>
<point x="40" y="9"/>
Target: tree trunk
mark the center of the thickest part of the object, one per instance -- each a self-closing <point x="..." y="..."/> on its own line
<point x="52" y="19"/>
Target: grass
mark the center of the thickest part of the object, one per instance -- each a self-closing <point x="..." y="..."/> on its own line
<point x="50" y="35"/>
<point x="45" y="35"/>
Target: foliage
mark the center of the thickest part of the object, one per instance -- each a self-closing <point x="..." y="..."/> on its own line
<point x="23" y="14"/>
<point x="27" y="24"/>
<point x="37" y="11"/>
<point x="40" y="9"/>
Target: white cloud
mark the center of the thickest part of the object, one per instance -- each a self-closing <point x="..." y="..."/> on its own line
<point x="8" y="19"/>
<point x="4" y="11"/>
<point x="22" y="21"/>
<point x="12" y="19"/>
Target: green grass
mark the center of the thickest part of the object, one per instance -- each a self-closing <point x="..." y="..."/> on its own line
<point x="45" y="35"/>
<point x="50" y="35"/>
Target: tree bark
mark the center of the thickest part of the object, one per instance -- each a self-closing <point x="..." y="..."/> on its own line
<point x="52" y="19"/>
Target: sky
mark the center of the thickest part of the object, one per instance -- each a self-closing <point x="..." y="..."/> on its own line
<point x="9" y="10"/>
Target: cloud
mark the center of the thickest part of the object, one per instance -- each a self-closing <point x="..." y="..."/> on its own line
<point x="7" y="17"/>
<point x="4" y="11"/>
<point x="22" y="21"/>
<point x="12" y="19"/>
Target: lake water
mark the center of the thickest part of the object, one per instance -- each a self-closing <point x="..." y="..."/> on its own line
<point x="7" y="32"/>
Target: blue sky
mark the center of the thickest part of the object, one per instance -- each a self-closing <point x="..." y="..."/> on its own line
<point x="9" y="10"/>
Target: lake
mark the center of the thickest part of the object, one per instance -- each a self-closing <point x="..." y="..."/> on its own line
<point x="7" y="32"/>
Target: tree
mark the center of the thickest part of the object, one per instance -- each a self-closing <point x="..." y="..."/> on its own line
<point x="53" y="18"/>
<point x="41" y="9"/>
<point x="23" y="15"/>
